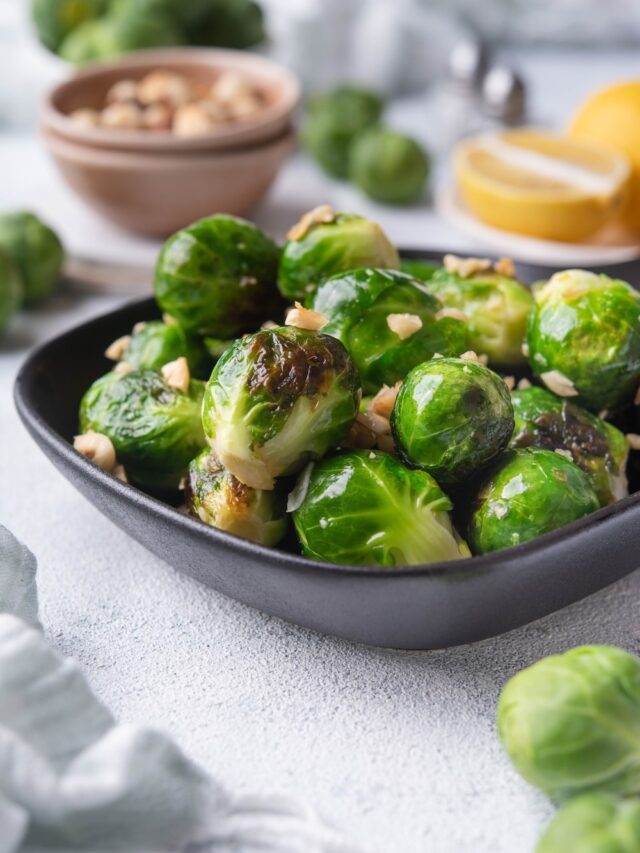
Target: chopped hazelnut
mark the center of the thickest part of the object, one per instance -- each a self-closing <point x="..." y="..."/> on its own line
<point x="85" y="118"/>
<point x="230" y="87"/>
<point x="560" y="384"/>
<point x="384" y="401"/>
<point x="98" y="448"/>
<point x="506" y="267"/>
<point x="163" y="86"/>
<point x="117" y="349"/>
<point x="120" y="473"/>
<point x="169" y="320"/>
<point x="525" y="349"/>
<point x="404" y="325"/>
<point x="454" y="313"/>
<point x="510" y="382"/>
<point x="192" y="120"/>
<point x="157" y="117"/>
<point x="465" y="267"/>
<point x="139" y="326"/>
<point x="634" y="440"/>
<point x="123" y="90"/>
<point x="305" y="318"/>
<point x="523" y="383"/>
<point x="323" y="214"/>
<point x="124" y="116"/>
<point x="245" y="106"/>
<point x="176" y="374"/>
<point x="122" y="367"/>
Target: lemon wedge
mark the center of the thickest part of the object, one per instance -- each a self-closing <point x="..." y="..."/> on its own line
<point x="541" y="184"/>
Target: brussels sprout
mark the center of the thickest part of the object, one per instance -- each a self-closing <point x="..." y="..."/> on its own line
<point x="389" y="323"/>
<point x="155" y="429"/>
<point x="278" y="399"/>
<point x="227" y="23"/>
<point x="531" y="492"/>
<point x="334" y="120"/>
<point x="104" y="38"/>
<point x="218" y="276"/>
<point x="35" y="250"/>
<point x="55" y="19"/>
<point x="451" y="418"/>
<point x="497" y="308"/>
<point x="325" y="243"/>
<point x="571" y="722"/>
<point x="11" y="290"/>
<point x="388" y="166"/>
<point x="418" y="268"/>
<point x="155" y="343"/>
<point x="216" y="497"/>
<point x="601" y="450"/>
<point x="365" y="508"/>
<point x="584" y="339"/>
<point x="594" y="823"/>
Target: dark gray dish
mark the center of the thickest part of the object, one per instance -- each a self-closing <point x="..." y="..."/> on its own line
<point x="419" y="607"/>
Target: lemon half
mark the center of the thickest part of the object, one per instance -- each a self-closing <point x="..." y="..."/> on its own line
<point x="541" y="184"/>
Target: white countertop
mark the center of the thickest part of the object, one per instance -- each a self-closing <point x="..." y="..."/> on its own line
<point x="398" y="749"/>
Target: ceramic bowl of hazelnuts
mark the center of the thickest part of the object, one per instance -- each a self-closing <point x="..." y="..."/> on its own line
<point x="160" y="138"/>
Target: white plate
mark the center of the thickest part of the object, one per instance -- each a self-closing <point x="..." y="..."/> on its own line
<point x="609" y="246"/>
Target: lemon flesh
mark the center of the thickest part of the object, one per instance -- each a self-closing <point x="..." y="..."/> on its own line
<point x="541" y="184"/>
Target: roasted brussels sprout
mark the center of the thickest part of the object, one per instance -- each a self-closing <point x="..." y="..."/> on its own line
<point x="155" y="428"/>
<point x="55" y="19"/>
<point x="599" y="448"/>
<point x="278" y="399"/>
<point x="584" y="339"/>
<point x="324" y="243"/>
<point x="594" y="823"/>
<point x="35" y="250"/>
<point x="107" y="37"/>
<point x="216" y="497"/>
<point x="228" y="23"/>
<point x="530" y="492"/>
<point x="451" y="418"/>
<point x="218" y="276"/>
<point x="334" y="120"/>
<point x="388" y="166"/>
<point x="154" y="343"/>
<point x="389" y="323"/>
<point x="496" y="307"/>
<point x="365" y="508"/>
<point x="11" y="290"/>
<point x="571" y="722"/>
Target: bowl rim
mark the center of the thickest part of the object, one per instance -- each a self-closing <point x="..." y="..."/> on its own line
<point x="450" y="569"/>
<point x="244" y="132"/>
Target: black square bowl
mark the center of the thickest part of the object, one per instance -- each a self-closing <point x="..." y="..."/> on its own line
<point x="415" y="607"/>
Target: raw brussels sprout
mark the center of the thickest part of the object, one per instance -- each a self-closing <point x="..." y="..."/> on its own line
<point x="336" y="243"/>
<point x="11" y="290"/>
<point x="362" y="306"/>
<point x="451" y="418"/>
<point x="388" y="166"/>
<point x="418" y="268"/>
<point x="228" y="23"/>
<point x="104" y="38"/>
<point x="216" y="497"/>
<point x="218" y="276"/>
<point x="155" y="429"/>
<point x="571" y="722"/>
<point x="334" y="120"/>
<point x="497" y="308"/>
<point x="278" y="399"/>
<point x="531" y="492"/>
<point x="36" y="252"/>
<point x="584" y="339"/>
<point x="594" y="823"/>
<point x="154" y="344"/>
<point x="599" y="448"/>
<point x="365" y="508"/>
<point x="55" y="19"/>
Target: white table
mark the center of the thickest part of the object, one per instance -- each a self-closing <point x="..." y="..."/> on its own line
<point x="398" y="749"/>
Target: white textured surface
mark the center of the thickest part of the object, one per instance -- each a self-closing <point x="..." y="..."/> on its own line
<point x="397" y="748"/>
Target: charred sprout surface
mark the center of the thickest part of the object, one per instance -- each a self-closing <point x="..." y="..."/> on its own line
<point x="530" y="492"/>
<point x="451" y="418"/>
<point x="365" y="508"/>
<point x="599" y="448"/>
<point x="155" y="343"/>
<point x="276" y="400"/>
<point x="216" y="497"/>
<point x="594" y="823"/>
<point x="336" y="243"/>
<point x="584" y="339"/>
<point x="36" y="252"/>
<point x="333" y="121"/>
<point x="388" y="166"/>
<point x="571" y="723"/>
<point x="155" y="429"/>
<point x="218" y="277"/>
<point x="11" y="290"/>
<point x="496" y="307"/>
<point x="389" y="323"/>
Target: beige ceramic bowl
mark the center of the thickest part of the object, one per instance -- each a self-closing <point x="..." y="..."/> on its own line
<point x="157" y="194"/>
<point x="88" y="89"/>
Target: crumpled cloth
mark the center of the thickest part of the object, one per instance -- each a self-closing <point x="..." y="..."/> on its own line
<point x="71" y="778"/>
